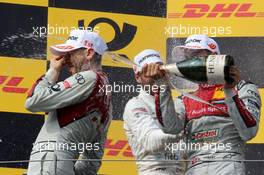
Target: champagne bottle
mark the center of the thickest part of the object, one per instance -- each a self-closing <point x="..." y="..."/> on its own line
<point x="213" y="69"/>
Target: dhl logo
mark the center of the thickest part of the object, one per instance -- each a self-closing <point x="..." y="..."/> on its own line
<point x="217" y="10"/>
<point x="116" y="148"/>
<point x="11" y="84"/>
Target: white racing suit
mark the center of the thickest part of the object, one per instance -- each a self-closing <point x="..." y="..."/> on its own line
<point x="224" y="133"/>
<point x="79" y="112"/>
<point x="148" y="141"/>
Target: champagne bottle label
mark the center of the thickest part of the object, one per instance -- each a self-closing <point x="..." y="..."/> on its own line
<point x="215" y="69"/>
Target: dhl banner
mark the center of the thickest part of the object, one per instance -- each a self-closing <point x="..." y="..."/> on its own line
<point x="16" y="78"/>
<point x="215" y="18"/>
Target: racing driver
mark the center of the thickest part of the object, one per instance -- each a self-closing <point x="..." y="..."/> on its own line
<point x="79" y="111"/>
<point x="145" y="137"/>
<point x="218" y="133"/>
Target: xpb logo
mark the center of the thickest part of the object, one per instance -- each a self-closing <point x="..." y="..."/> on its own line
<point x="217" y="10"/>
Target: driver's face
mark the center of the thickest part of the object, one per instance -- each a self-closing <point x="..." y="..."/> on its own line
<point x="74" y="60"/>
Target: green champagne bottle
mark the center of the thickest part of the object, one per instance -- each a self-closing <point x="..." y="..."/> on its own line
<point x="213" y="69"/>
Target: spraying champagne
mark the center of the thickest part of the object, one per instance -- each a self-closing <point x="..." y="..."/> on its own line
<point x="123" y="59"/>
<point x="213" y="69"/>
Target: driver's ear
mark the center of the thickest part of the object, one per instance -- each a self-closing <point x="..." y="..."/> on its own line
<point x="89" y="53"/>
<point x="138" y="78"/>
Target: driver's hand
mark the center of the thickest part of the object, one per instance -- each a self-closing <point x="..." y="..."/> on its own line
<point x="57" y="63"/>
<point x="235" y="75"/>
<point x="153" y="71"/>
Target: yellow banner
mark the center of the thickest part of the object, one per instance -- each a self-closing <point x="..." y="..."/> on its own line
<point x="28" y="2"/>
<point x="215" y="18"/>
<point x="17" y="76"/>
<point x="12" y="171"/>
<point x="125" y="34"/>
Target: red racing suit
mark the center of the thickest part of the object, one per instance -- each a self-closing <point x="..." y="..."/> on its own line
<point x="213" y="134"/>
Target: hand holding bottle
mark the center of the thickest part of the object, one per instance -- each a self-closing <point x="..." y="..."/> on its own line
<point x="153" y="71"/>
<point x="234" y="73"/>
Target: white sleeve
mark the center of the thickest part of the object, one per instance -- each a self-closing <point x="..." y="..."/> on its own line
<point x="46" y="96"/>
<point x="244" y="108"/>
<point x="144" y="127"/>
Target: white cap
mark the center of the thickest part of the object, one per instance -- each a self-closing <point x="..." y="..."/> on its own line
<point x="201" y="42"/>
<point x="80" y="39"/>
<point x="145" y="57"/>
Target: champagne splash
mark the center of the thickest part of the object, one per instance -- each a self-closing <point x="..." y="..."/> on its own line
<point x="124" y="59"/>
<point x="22" y="44"/>
<point x="120" y="58"/>
<point x="196" y="98"/>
